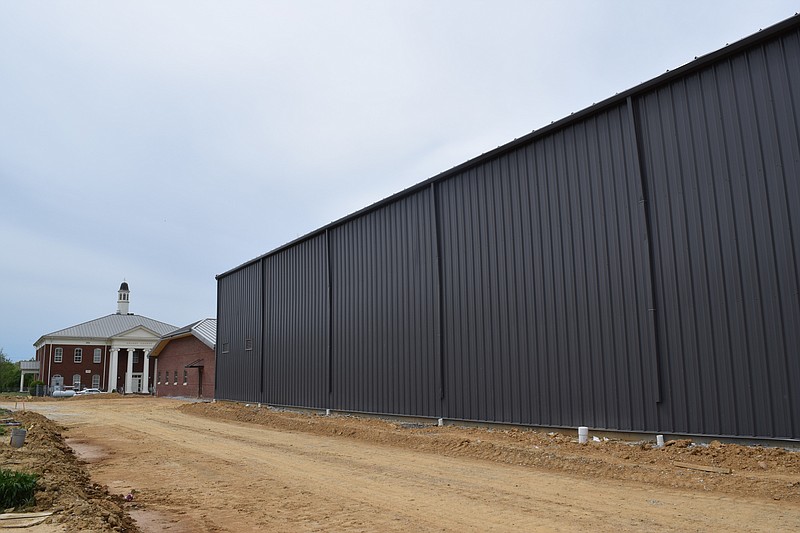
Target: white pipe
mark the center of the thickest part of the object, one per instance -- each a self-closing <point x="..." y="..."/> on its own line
<point x="583" y="434"/>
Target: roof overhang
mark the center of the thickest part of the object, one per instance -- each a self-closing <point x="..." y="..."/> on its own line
<point x="163" y="341"/>
<point x="44" y="340"/>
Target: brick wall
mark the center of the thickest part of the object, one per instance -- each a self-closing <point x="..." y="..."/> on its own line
<point x="174" y="358"/>
<point x="68" y="367"/>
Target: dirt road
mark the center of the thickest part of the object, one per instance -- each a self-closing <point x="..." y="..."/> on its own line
<point x="198" y="474"/>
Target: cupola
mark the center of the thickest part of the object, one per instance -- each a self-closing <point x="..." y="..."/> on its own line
<point x="123" y="300"/>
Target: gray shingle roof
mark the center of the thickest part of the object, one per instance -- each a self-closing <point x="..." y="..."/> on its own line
<point x="110" y="326"/>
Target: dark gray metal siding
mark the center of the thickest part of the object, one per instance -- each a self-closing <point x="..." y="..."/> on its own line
<point x="383" y="321"/>
<point x="547" y="316"/>
<point x="238" y="319"/>
<point x="633" y="267"/>
<point x="296" y="325"/>
<point x="722" y="163"/>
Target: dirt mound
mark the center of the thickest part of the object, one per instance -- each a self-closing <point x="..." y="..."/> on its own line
<point x="754" y="470"/>
<point x="64" y="485"/>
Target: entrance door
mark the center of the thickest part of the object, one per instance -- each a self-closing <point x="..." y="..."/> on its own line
<point x="200" y="382"/>
<point x="136" y="382"/>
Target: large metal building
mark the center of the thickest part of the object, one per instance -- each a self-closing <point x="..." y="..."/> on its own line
<point x="632" y="267"/>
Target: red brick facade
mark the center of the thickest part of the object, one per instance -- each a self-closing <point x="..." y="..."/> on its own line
<point x="172" y="361"/>
<point x="68" y="367"/>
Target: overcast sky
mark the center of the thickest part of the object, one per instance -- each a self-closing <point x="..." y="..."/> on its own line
<point x="167" y="142"/>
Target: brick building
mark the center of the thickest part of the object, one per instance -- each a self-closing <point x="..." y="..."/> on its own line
<point x="185" y="361"/>
<point x="108" y="353"/>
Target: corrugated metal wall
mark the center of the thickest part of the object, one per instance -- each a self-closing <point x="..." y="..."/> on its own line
<point x="383" y="321"/>
<point x="633" y="267"/>
<point x="296" y="325"/>
<point x="239" y="308"/>
<point x="547" y="316"/>
<point x="723" y="166"/>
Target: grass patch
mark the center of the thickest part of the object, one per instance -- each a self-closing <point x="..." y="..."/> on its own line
<point x="16" y="488"/>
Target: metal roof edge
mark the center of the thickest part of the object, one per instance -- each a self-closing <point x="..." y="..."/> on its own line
<point x="181" y="333"/>
<point x="199" y="336"/>
<point x="700" y="62"/>
<point x="47" y="339"/>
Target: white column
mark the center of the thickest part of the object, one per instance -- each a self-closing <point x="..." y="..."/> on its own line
<point x="113" y="368"/>
<point x="21" y="380"/>
<point x="146" y="372"/>
<point x="129" y="373"/>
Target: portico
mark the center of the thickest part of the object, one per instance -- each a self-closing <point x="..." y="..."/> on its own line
<point x="134" y="375"/>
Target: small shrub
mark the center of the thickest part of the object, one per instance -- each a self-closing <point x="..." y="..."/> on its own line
<point x="16" y="488"/>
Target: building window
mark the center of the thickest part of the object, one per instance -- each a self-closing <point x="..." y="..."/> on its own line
<point x="226" y="347"/>
<point x="176" y="378"/>
<point x="248" y="344"/>
<point x="96" y="381"/>
<point x="135" y="357"/>
<point x="78" y="355"/>
<point x="59" y="355"/>
<point x="185" y="376"/>
<point x="158" y="378"/>
<point x="98" y="355"/>
<point x="76" y="381"/>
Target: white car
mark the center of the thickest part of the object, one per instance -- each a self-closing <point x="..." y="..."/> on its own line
<point x="90" y="391"/>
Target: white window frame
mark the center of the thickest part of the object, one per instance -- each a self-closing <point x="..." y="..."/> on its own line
<point x="59" y="355"/>
<point x="96" y="381"/>
<point x="78" y="355"/>
<point x="135" y="358"/>
<point x="98" y="356"/>
<point x="76" y="382"/>
<point x="185" y="377"/>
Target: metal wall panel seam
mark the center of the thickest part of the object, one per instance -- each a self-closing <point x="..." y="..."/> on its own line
<point x="217" y="347"/>
<point x="697" y="212"/>
<point x="262" y="302"/>
<point x="692" y="143"/>
<point x="644" y="211"/>
<point x="439" y="312"/>
<point x="743" y="90"/>
<point x="777" y="220"/>
<point x="717" y="166"/>
<point x="789" y="129"/>
<point x="732" y="156"/>
<point x="330" y="313"/>
<point x="544" y="314"/>
<point x="617" y="262"/>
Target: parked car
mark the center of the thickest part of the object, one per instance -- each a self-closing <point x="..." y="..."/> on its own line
<point x="90" y="391"/>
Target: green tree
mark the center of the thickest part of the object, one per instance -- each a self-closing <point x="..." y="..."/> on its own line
<point x="9" y="373"/>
